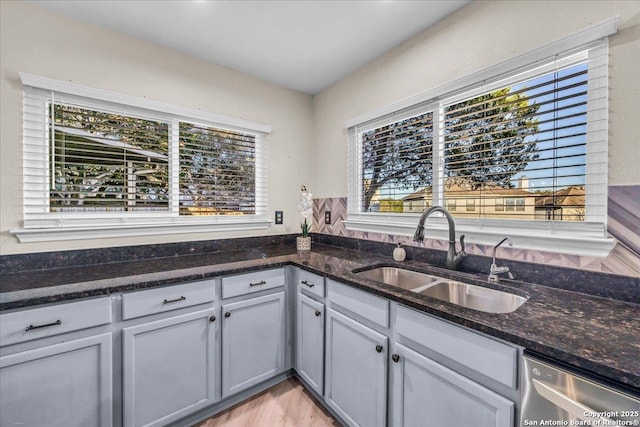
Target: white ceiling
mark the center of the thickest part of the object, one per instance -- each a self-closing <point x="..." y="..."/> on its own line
<point x="303" y="45"/>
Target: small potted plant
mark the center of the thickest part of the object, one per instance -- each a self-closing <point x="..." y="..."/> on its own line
<point x="303" y="243"/>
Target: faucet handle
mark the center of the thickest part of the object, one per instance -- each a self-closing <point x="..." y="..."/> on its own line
<point x="462" y="251"/>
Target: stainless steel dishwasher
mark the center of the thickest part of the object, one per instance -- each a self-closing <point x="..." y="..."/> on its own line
<point x="556" y="397"/>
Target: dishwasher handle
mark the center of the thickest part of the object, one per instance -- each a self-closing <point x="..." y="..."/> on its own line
<point x="573" y="407"/>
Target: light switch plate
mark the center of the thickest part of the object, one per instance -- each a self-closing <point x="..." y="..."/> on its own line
<point x="279" y="217"/>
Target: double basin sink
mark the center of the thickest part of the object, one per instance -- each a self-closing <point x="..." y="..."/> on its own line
<point x="463" y="294"/>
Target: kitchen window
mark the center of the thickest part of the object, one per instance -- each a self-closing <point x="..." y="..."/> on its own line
<point x="100" y="164"/>
<point x="217" y="171"/>
<point x="524" y="144"/>
<point x="392" y="156"/>
<point x="107" y="162"/>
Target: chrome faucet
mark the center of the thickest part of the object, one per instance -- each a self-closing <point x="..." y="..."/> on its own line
<point x="453" y="257"/>
<point x="495" y="270"/>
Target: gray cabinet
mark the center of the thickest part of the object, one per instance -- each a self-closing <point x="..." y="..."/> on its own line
<point x="56" y="365"/>
<point x="64" y="384"/>
<point x="310" y="342"/>
<point x="425" y="393"/>
<point x="356" y="371"/>
<point x="253" y="341"/>
<point x="169" y="368"/>
<point x="494" y="360"/>
<point x="197" y="351"/>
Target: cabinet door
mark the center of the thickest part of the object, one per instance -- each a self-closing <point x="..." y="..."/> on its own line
<point x="310" y="342"/>
<point x="253" y="342"/>
<point x="66" y="384"/>
<point x="356" y="382"/>
<point x="168" y="368"/>
<point x="426" y="393"/>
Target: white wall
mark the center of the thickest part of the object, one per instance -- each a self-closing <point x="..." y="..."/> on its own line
<point x="39" y="42"/>
<point x="479" y="35"/>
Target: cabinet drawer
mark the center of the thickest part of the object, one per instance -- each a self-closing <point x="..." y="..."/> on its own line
<point x="242" y="284"/>
<point x="359" y="302"/>
<point x="310" y="282"/>
<point x="484" y="355"/>
<point x="43" y="322"/>
<point x="153" y="301"/>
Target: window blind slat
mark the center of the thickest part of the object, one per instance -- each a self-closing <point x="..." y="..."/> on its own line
<point x="542" y="119"/>
<point x="544" y="156"/>
<point x="537" y="98"/>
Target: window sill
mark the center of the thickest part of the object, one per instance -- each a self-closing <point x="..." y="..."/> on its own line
<point x="71" y="232"/>
<point x="584" y="239"/>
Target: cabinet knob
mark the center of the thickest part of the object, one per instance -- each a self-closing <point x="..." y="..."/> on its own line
<point x="318" y="313"/>
<point x="212" y="319"/>
<point x="379" y="348"/>
<point x="227" y="314"/>
<point x="395" y="357"/>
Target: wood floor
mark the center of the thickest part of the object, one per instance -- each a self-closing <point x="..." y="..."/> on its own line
<point x="287" y="404"/>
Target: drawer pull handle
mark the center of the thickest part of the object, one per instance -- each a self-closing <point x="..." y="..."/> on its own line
<point x="262" y="282"/>
<point x="309" y="284"/>
<point x="379" y="348"/>
<point x="318" y="313"/>
<point x="212" y="319"/>
<point x="227" y="314"/>
<point x="31" y="327"/>
<point x="395" y="358"/>
<point x="169" y="301"/>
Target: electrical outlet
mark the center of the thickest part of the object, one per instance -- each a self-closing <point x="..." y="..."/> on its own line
<point x="279" y="216"/>
<point x="327" y="217"/>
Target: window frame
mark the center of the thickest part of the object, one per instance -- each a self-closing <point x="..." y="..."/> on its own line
<point x="42" y="225"/>
<point x="584" y="238"/>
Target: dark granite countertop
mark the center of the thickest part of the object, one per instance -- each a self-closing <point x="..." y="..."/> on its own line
<point x="595" y="334"/>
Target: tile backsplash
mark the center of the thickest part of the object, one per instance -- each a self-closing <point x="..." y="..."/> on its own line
<point x="623" y="224"/>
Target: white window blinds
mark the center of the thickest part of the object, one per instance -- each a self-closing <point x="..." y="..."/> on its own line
<point x="97" y="159"/>
<point x="218" y="172"/>
<point x="526" y="143"/>
<point x="103" y="161"/>
<point x="396" y="160"/>
<point x="526" y="146"/>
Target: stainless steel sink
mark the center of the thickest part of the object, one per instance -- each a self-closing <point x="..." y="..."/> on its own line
<point x="474" y="297"/>
<point x="405" y="279"/>
<point x="463" y="294"/>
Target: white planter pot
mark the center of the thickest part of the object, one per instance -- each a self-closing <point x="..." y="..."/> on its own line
<point x="303" y="243"/>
